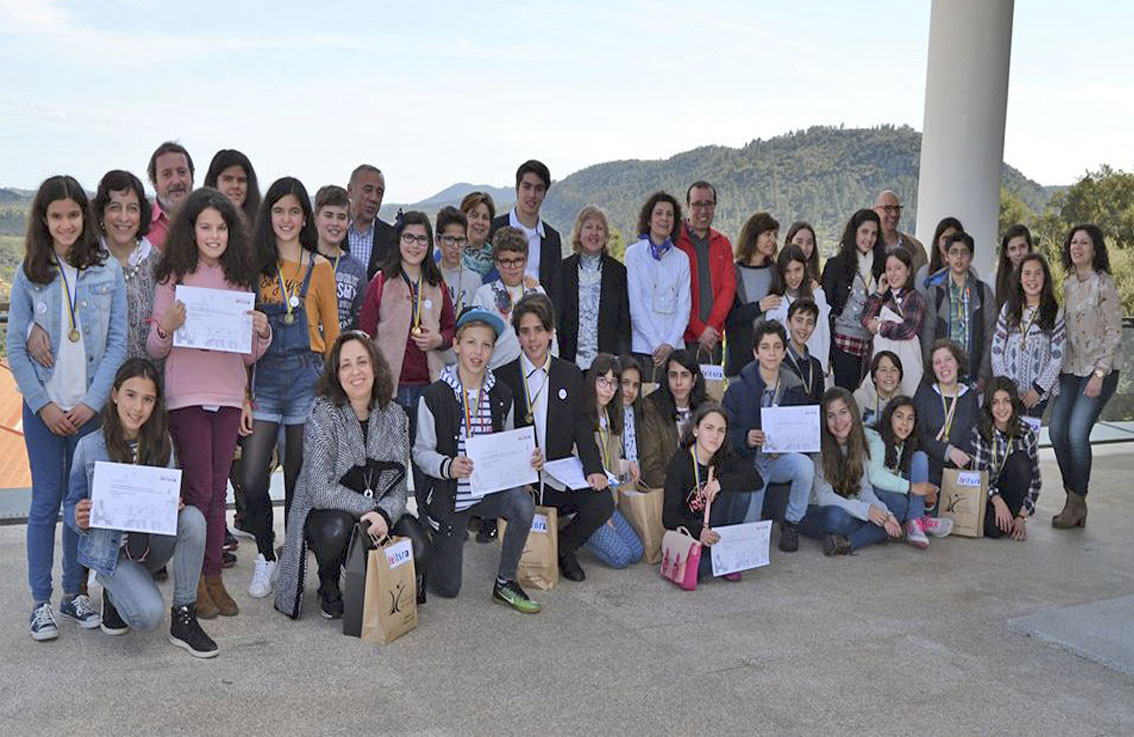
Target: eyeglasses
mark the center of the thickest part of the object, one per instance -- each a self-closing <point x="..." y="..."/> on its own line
<point x="703" y="205"/>
<point x="511" y="263"/>
<point x="892" y="209"/>
<point x="421" y="240"/>
<point x="454" y="240"/>
<point x="607" y="383"/>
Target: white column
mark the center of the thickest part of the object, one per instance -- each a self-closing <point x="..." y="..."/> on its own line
<point x="966" y="99"/>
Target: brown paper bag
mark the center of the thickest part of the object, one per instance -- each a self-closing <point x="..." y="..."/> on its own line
<point x="539" y="564"/>
<point x="642" y="508"/>
<point x="390" y="607"/>
<point x="964" y="499"/>
<point x="714" y="380"/>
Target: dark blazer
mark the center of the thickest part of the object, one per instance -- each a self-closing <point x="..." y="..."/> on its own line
<point x="550" y="259"/>
<point x="839" y="273"/>
<point x="567" y="423"/>
<point x="383" y="244"/>
<point x="614" y="309"/>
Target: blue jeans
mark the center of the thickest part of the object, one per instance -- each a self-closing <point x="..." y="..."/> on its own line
<point x="794" y="468"/>
<point x="615" y="542"/>
<point x="49" y="456"/>
<point x="909" y="505"/>
<point x="1072" y="418"/>
<point x="819" y="521"/>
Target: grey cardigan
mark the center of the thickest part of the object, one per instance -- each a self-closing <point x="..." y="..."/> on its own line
<point x="332" y="445"/>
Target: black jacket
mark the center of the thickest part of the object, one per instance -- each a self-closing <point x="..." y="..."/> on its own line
<point x="838" y="277"/>
<point x="442" y="403"/>
<point x="736" y="475"/>
<point x="567" y="424"/>
<point x="550" y="259"/>
<point x="613" y="309"/>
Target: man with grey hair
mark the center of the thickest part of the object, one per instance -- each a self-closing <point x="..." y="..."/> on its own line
<point x="369" y="239"/>
<point x="889" y="210"/>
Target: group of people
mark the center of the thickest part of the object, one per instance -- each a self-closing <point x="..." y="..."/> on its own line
<point x="379" y="349"/>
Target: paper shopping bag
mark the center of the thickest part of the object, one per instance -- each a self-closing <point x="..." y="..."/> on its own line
<point x="681" y="556"/>
<point x="714" y="380"/>
<point x="964" y="498"/>
<point x="642" y="508"/>
<point x="354" y="580"/>
<point x="390" y="607"/>
<point x="539" y="564"/>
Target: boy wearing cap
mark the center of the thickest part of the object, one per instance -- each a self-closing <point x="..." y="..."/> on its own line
<point x="468" y="400"/>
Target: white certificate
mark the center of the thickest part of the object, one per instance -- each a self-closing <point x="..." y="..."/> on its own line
<point x="790" y="429"/>
<point x="215" y="319"/>
<point x="502" y="460"/>
<point x="741" y="547"/>
<point x="888" y="315"/>
<point x="569" y="472"/>
<point x="135" y="498"/>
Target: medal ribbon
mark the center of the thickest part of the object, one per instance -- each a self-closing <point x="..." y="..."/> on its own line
<point x="72" y="303"/>
<point x="1026" y="328"/>
<point x="418" y="293"/>
<point x="287" y="296"/>
<point x="950" y="409"/>
<point x="531" y="401"/>
<point x="468" y="411"/>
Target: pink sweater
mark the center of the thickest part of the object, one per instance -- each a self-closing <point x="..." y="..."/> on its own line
<point x="194" y="377"/>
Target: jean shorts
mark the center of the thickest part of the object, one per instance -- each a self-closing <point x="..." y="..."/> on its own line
<point x="283" y="387"/>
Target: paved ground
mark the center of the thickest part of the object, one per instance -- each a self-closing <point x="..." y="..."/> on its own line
<point x="892" y="641"/>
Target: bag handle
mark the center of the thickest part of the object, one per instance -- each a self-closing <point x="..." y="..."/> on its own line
<point x="362" y="530"/>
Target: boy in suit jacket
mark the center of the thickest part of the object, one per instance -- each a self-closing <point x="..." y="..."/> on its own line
<point x="545" y="247"/>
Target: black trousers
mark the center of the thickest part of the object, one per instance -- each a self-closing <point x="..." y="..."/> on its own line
<point x="591" y="509"/>
<point x="848" y="369"/>
<point x="328" y="533"/>
<point x="1012" y="484"/>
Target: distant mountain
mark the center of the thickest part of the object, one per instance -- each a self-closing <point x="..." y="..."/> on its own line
<point x="503" y="197"/>
<point x="821" y="175"/>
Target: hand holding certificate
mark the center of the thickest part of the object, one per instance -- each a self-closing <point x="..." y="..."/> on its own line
<point x="790" y="429"/>
<point x="135" y="498"/>
<point x="501" y="460"/>
<point x="741" y="547"/>
<point x="215" y="319"/>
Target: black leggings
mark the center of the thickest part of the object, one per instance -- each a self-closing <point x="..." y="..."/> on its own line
<point x="328" y="533"/>
<point x="257" y="452"/>
<point x="1012" y="485"/>
<point x="847" y="368"/>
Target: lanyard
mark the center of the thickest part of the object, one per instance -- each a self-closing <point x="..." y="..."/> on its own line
<point x="530" y="400"/>
<point x="337" y="257"/>
<point x="469" y="411"/>
<point x="291" y="299"/>
<point x="1027" y="328"/>
<point x="696" y="469"/>
<point x="604" y="438"/>
<point x="994" y="469"/>
<point x="950" y="409"/>
<point x="775" y="392"/>
<point x="799" y="370"/>
<point x="72" y="303"/>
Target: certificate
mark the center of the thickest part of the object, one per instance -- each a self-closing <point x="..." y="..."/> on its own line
<point x="502" y="460"/>
<point x="888" y="315"/>
<point x="790" y="429"/>
<point x="135" y="498"/>
<point x="569" y="472"/>
<point x="215" y="319"/>
<point x="741" y="547"/>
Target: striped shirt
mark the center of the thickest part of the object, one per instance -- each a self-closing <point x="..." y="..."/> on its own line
<point x="480" y="412"/>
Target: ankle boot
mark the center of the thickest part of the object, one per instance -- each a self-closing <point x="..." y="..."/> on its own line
<point x="1074" y="514"/>
<point x="206" y="609"/>
<point x="225" y="605"/>
<point x="1066" y="505"/>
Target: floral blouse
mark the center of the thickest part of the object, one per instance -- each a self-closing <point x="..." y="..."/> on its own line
<point x="1094" y="323"/>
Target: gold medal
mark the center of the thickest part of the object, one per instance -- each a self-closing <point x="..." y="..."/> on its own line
<point x="289" y="319"/>
<point x="73" y="336"/>
<point x="528" y="418"/>
<point x="417" y="330"/>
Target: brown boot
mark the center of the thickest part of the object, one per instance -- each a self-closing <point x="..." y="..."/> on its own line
<point x="225" y="605"/>
<point x="206" y="609"/>
<point x="1074" y="514"/>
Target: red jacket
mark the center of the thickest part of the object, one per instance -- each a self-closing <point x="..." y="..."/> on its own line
<point x="723" y="275"/>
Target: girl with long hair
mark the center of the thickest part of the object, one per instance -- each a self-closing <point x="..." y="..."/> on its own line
<point x="802" y="234"/>
<point x="849" y="278"/>
<point x="231" y="173"/>
<point x="937" y="270"/>
<point x="794" y="283"/>
<point x="756" y="276"/>
<point x="1014" y="246"/>
<point x="668" y="409"/>
<point x="901" y="302"/>
<point x="1007" y="448"/>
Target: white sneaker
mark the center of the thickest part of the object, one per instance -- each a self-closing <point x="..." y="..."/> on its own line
<point x="915" y="535"/>
<point x="937" y="526"/>
<point x="262" y="578"/>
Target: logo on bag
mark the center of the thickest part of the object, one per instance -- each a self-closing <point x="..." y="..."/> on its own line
<point x="539" y="523"/>
<point x="396" y="598"/>
<point x="399" y="553"/>
<point x="953" y="503"/>
<point x="968" y="478"/>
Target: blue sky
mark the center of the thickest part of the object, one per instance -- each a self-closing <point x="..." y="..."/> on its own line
<point x="439" y="92"/>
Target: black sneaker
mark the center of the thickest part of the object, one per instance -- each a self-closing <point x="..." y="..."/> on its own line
<point x="112" y="622"/>
<point x="789" y="537"/>
<point x="836" y="545"/>
<point x="228" y="560"/>
<point x="570" y="568"/>
<point x="487" y="531"/>
<point x="330" y="602"/>
<point x="185" y="632"/>
<point x="160" y="574"/>
<point x="230" y="541"/>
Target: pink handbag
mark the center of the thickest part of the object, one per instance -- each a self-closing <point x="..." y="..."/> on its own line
<point x="681" y="556"/>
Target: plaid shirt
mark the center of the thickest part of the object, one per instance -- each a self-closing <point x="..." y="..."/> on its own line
<point x="853" y="346"/>
<point x="909" y="304"/>
<point x="990" y="455"/>
<point x="959" y="312"/>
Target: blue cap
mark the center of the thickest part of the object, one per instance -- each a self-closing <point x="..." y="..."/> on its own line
<point x="479" y="314"/>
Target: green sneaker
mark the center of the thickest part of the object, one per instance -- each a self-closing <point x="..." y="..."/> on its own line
<point x="511" y="594"/>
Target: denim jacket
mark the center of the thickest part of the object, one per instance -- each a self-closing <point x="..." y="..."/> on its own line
<point x="98" y="548"/>
<point x="101" y="305"/>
